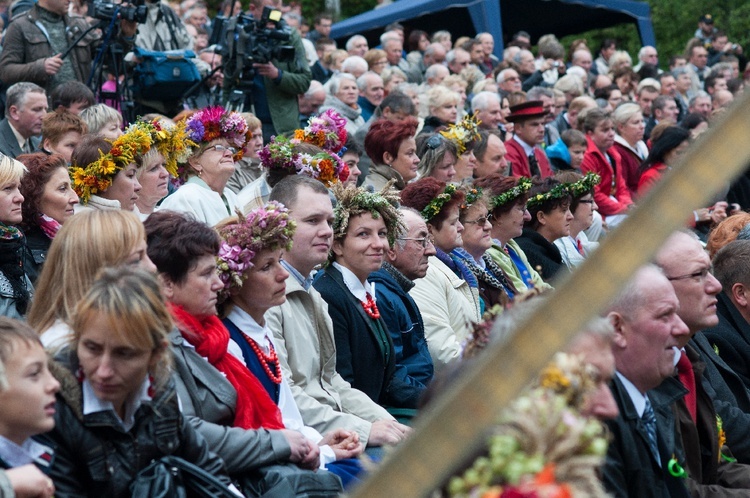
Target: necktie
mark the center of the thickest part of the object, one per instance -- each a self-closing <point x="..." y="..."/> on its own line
<point x="27" y="147"/>
<point x="534" y="166"/>
<point x="687" y="377"/>
<point x="649" y="422"/>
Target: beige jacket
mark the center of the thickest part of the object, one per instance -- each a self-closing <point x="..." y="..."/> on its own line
<point x="449" y="307"/>
<point x="303" y="334"/>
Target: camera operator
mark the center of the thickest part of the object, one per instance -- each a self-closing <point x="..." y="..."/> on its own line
<point x="163" y="29"/>
<point x="210" y="91"/>
<point x="35" y="41"/>
<point x="277" y="83"/>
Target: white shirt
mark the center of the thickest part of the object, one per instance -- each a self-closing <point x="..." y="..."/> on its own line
<point x="16" y="456"/>
<point x="290" y="414"/>
<point x="636" y="396"/>
<point x="527" y="149"/>
<point x="92" y="404"/>
<point x="356" y="287"/>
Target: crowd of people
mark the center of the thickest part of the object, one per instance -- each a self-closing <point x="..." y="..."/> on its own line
<point x="275" y="295"/>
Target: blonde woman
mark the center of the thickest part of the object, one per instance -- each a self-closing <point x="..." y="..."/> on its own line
<point x="86" y="243"/>
<point x="15" y="286"/>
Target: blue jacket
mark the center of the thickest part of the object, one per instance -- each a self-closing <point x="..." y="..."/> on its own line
<point x="405" y="326"/>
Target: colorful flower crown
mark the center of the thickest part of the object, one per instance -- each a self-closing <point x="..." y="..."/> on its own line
<point x="265" y="228"/>
<point x="542" y="445"/>
<point x="463" y="133"/>
<point x="435" y="205"/>
<point x="557" y="192"/>
<point x="97" y="177"/>
<point x="327" y="131"/>
<point x="585" y="185"/>
<point x="326" y="167"/>
<point x="523" y="186"/>
<point x="353" y="201"/>
<point x="473" y="194"/>
<point x="213" y="123"/>
<point x="171" y="141"/>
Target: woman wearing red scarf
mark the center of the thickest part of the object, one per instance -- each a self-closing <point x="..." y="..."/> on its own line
<point x="226" y="403"/>
<point x="254" y="280"/>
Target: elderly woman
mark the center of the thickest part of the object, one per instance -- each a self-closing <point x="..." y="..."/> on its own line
<point x="342" y="97"/>
<point x="438" y="157"/>
<point x="15" y="286"/>
<point x="494" y="286"/>
<point x="49" y="200"/>
<point x="377" y="60"/>
<point x="442" y="104"/>
<point x="86" y="243"/>
<point x="170" y="146"/>
<point x="448" y="296"/>
<point x="221" y="137"/>
<point x="104" y="172"/>
<point x="391" y="147"/>
<point x="365" y="225"/>
<point x="220" y="396"/>
<point x="507" y="205"/>
<point x="117" y="403"/>
<point x="549" y="207"/>
<point x="630" y="126"/>
<point x="575" y="247"/>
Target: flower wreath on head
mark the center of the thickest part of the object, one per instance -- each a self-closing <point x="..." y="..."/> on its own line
<point x="213" y="123"/>
<point x="326" y="167"/>
<point x="435" y="205"/>
<point x="473" y="194"/>
<point x="327" y="131"/>
<point x="542" y="445"/>
<point x="556" y="192"/>
<point x="353" y="201"/>
<point x="97" y="177"/>
<point x="171" y="141"/>
<point x="523" y="186"/>
<point x="267" y="227"/>
<point x="463" y="133"/>
<point x="585" y="185"/>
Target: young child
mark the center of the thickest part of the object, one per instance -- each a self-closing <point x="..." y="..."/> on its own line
<point x="27" y="397"/>
<point x="103" y="121"/>
<point x="61" y="132"/>
<point x="567" y="153"/>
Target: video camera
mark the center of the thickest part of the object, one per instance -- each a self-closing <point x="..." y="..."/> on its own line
<point x="246" y="40"/>
<point x="105" y="11"/>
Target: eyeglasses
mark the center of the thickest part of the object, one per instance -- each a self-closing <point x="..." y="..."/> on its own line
<point x="698" y="276"/>
<point x="479" y="221"/>
<point x="222" y="149"/>
<point x="424" y="241"/>
<point x="434" y="142"/>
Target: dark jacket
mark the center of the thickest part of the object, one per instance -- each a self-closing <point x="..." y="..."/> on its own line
<point x="26" y="46"/>
<point x="731" y="398"/>
<point x="37" y="244"/>
<point x="282" y="95"/>
<point x="94" y="456"/>
<point x="543" y="255"/>
<point x="709" y="474"/>
<point x="405" y="325"/>
<point x="630" y="470"/>
<point x="359" y="358"/>
<point x="8" y="143"/>
<point x="731" y="338"/>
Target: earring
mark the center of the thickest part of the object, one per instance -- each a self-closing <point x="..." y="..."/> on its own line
<point x="80" y="375"/>
<point x="200" y="173"/>
<point x="151" y="390"/>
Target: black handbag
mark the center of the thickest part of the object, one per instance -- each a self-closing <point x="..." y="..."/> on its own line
<point x="174" y="477"/>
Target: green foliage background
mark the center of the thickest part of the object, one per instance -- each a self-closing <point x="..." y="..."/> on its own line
<point x="674" y="22"/>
